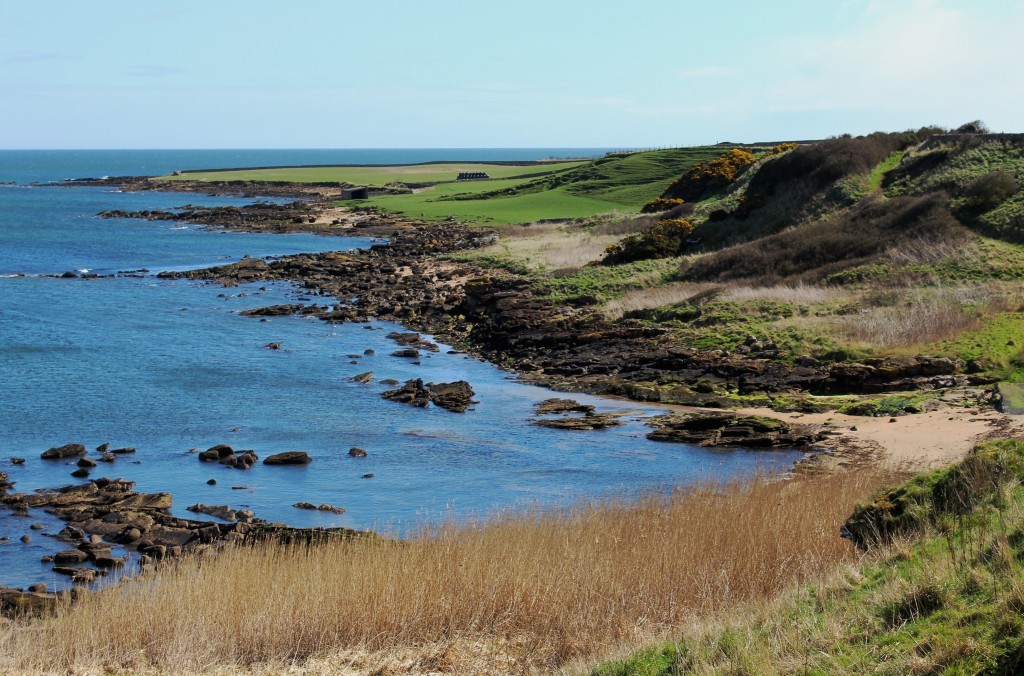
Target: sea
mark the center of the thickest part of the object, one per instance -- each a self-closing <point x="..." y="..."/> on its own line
<point x="170" y="366"/>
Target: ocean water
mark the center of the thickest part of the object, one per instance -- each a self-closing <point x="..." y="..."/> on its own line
<point x="169" y="366"/>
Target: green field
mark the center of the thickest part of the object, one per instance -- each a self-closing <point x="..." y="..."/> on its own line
<point x="374" y="176"/>
<point x="513" y="194"/>
<point x="610" y="184"/>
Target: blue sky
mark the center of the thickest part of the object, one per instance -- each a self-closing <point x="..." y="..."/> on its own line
<point x="454" y="73"/>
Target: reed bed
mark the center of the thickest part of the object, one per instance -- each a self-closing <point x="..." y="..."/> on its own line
<point x="518" y="592"/>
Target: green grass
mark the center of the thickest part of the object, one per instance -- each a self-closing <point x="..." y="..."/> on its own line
<point x="374" y="176"/>
<point x="1013" y="397"/>
<point x="877" y="174"/>
<point x="611" y="184"/>
<point x="436" y="204"/>
<point x="951" y="600"/>
<point x="999" y="342"/>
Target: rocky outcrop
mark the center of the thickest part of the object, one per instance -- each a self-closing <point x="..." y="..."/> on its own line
<point x="288" y="458"/>
<point x="726" y="429"/>
<point x="590" y="421"/>
<point x="65" y="451"/>
<point x="455" y="397"/>
<point x="555" y="406"/>
<point x="412" y="393"/>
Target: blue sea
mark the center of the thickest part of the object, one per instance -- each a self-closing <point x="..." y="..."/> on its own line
<point x="169" y="366"/>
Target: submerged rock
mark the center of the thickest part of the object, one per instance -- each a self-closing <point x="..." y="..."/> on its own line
<point x="288" y="458"/>
<point x="362" y="378"/>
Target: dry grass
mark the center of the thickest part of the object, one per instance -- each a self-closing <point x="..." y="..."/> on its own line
<point x="518" y="593"/>
<point x="681" y="292"/>
<point x="550" y="247"/>
<point x="918" y="317"/>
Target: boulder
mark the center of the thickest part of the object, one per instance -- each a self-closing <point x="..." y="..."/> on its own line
<point x="356" y="452"/>
<point x="122" y="451"/>
<point x="219" y="511"/>
<point x="591" y="421"/>
<point x="413" y="393"/>
<point x="70" y="556"/>
<point x="65" y="451"/>
<point x="407" y="353"/>
<point x="288" y="458"/>
<point x="362" y="378"/>
<point x="455" y="397"/>
<point x="552" y="406"/>
<point x="86" y="462"/>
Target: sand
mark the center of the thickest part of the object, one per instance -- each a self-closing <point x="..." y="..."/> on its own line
<point x="912" y="442"/>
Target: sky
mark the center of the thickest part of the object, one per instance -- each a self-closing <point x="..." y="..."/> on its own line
<point x="528" y="73"/>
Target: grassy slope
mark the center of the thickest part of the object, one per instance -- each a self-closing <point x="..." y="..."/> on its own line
<point x="607" y="185"/>
<point x="373" y="176"/>
<point x="950" y="601"/>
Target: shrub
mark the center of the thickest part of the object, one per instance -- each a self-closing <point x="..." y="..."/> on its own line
<point x="813" y="252"/>
<point x="706" y="177"/>
<point x="660" y="204"/>
<point x="990" y="190"/>
<point x="664" y="239"/>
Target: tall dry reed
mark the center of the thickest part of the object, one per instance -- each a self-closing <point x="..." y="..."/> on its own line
<point x="539" y="587"/>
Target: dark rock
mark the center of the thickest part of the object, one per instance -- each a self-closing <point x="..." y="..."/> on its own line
<point x="455" y="397"/>
<point x="304" y="505"/>
<point x="331" y="508"/>
<point x="211" y="482"/>
<point x="81" y="473"/>
<point x="219" y="511"/>
<point x="362" y="378"/>
<point x="86" y="462"/>
<point x="17" y="461"/>
<point x="390" y="382"/>
<point x="26" y="539"/>
<point x="591" y="421"/>
<point x="408" y="353"/>
<point x="65" y="451"/>
<point x="38" y="526"/>
<point x="413" y="393"/>
<point x="288" y="458"/>
<point x="356" y="452"/>
<point x="122" y="451"/>
<point x="726" y="429"/>
<point x="70" y="556"/>
<point x="367" y="476"/>
<point x="550" y="406"/>
<point x="276" y="346"/>
<point x="102" y="448"/>
<point x="108" y="457"/>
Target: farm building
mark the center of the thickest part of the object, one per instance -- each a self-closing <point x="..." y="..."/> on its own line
<point x="356" y="192"/>
<point x="471" y="175"/>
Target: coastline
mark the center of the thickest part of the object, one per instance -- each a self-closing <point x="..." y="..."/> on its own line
<point x="498" y="317"/>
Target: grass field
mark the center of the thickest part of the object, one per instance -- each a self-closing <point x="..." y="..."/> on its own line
<point x="374" y="176"/>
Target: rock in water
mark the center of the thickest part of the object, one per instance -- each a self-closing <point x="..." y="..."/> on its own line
<point x="219" y="511"/>
<point x="289" y="458"/>
<point x="413" y="393"/>
<point x="65" y="451"/>
<point x="357" y="452"/>
<point x="362" y="378"/>
<point x="455" y="397"/>
<point x="549" y="406"/>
